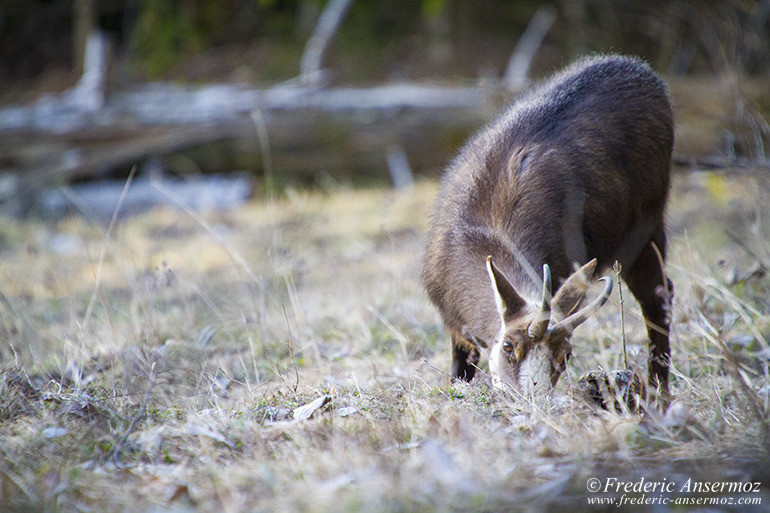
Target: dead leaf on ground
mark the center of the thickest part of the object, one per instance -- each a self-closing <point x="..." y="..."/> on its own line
<point x="306" y="411"/>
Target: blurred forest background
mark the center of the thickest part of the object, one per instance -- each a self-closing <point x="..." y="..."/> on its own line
<point x="261" y="41"/>
<point x="158" y="55"/>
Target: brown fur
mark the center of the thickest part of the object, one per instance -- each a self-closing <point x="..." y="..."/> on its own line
<point x="576" y="169"/>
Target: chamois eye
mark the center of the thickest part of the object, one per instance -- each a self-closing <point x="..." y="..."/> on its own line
<point x="507" y="346"/>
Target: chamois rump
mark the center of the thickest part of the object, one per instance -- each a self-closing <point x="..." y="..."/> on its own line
<point x="570" y="178"/>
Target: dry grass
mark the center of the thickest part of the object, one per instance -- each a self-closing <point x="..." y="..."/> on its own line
<point x="167" y="373"/>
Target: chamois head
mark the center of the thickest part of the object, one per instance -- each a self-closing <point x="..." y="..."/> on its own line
<point x="531" y="352"/>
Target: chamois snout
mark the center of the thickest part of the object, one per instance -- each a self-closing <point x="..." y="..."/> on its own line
<point x="531" y="352"/>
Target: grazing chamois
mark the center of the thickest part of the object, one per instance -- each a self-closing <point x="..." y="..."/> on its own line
<point x="576" y="172"/>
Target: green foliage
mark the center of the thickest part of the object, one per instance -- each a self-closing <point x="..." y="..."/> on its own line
<point x="165" y="32"/>
<point x="433" y="8"/>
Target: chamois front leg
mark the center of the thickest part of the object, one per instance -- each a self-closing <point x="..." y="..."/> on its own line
<point x="465" y="357"/>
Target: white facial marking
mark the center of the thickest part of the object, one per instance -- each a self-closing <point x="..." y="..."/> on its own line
<point x="535" y="371"/>
<point x="495" y="363"/>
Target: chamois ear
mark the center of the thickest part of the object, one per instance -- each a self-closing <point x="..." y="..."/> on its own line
<point x="571" y="293"/>
<point x="508" y="301"/>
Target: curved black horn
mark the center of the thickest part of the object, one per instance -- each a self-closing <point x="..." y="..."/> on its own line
<point x="566" y="326"/>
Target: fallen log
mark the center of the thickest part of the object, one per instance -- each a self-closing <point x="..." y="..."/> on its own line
<point x="58" y="138"/>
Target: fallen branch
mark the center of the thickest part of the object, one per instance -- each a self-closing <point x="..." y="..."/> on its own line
<point x="517" y="70"/>
<point x="717" y="161"/>
<point x="399" y="169"/>
<point x="167" y="104"/>
<point x="325" y="29"/>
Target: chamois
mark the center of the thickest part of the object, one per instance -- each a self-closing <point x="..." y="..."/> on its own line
<point x="570" y="178"/>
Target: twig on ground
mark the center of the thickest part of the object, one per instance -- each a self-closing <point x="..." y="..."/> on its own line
<point x="618" y="268"/>
<point x="118" y="447"/>
<point x="291" y="351"/>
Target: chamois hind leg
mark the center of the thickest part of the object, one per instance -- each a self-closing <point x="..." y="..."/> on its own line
<point x="654" y="292"/>
<point x="465" y="358"/>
